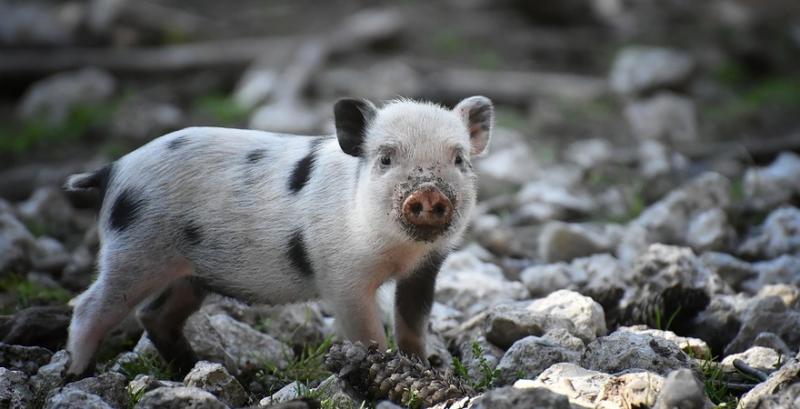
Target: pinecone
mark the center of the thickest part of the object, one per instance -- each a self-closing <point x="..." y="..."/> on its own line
<point x="393" y="376"/>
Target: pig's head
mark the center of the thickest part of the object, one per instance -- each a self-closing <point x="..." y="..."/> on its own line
<point x="415" y="178"/>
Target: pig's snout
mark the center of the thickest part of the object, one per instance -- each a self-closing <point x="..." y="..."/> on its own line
<point x="428" y="208"/>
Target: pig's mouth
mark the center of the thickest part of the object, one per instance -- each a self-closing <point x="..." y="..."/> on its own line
<point x="426" y="208"/>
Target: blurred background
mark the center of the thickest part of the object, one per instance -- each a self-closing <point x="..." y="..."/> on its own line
<point x="605" y="110"/>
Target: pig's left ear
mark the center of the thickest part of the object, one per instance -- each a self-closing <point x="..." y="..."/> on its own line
<point x="352" y="116"/>
<point x="478" y="114"/>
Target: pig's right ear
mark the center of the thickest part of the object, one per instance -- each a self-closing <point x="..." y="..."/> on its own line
<point x="352" y="116"/>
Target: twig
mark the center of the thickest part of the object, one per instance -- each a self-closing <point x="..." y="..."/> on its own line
<point x="746" y="369"/>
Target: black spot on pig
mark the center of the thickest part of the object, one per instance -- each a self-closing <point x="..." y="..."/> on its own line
<point x="298" y="255"/>
<point x="192" y="233"/>
<point x="125" y="209"/>
<point x="177" y="142"/>
<point x="303" y="168"/>
<point x="256" y="155"/>
<point x="414" y="294"/>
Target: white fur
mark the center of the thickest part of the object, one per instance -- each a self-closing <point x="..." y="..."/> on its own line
<point x="246" y="215"/>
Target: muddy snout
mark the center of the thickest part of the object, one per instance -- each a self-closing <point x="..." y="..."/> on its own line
<point x="428" y="208"/>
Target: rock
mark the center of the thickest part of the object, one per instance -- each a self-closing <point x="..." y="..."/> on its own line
<point x="49" y="255"/>
<point x="285" y="117"/>
<point x="657" y="164"/>
<point x="547" y="199"/>
<point x="766" y="394"/>
<point x="213" y="378"/>
<point x="719" y="323"/>
<point x="695" y="347"/>
<point x="298" y="324"/>
<point x="444" y="318"/>
<point x="638" y="69"/>
<point x="506" y="324"/>
<point x="774" y="185"/>
<point x="48" y="207"/>
<point x="255" y="86"/>
<point x="51" y="375"/>
<point x="470" y="285"/>
<point x="590" y="153"/>
<point x="285" y="394"/>
<point x="178" y="398"/>
<point x="564" y="241"/>
<point x="14" y="389"/>
<point x="335" y="391"/>
<point x="772" y="341"/>
<point x="477" y="364"/>
<point x="146" y="383"/>
<point x="139" y="120"/>
<point x="665" y="117"/>
<point x="529" y="357"/>
<point x="578" y="315"/>
<point x="32" y="24"/>
<point x="77" y="274"/>
<point x="729" y="268"/>
<point x="38" y="326"/>
<point x="682" y="390"/>
<point x="600" y="274"/>
<point x="780" y="234"/>
<point x="768" y="314"/>
<point x="510" y="397"/>
<point x="663" y="266"/>
<point x="508" y="165"/>
<point x="591" y="389"/>
<point x="767" y="360"/>
<point x="788" y="293"/>
<point x="781" y="270"/>
<point x="75" y="399"/>
<point x="16" y="243"/>
<point x="109" y="386"/>
<point x="668" y="220"/>
<point x="561" y="336"/>
<point x="25" y="359"/>
<point x="709" y="230"/>
<point x="623" y="350"/>
<point x="220" y="338"/>
<point x="54" y="98"/>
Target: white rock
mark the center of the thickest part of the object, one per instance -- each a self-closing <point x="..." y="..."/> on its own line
<point x="781" y="270"/>
<point x="780" y="234"/>
<point x="732" y="270"/>
<point x="668" y="220"/>
<point x="765" y="359"/>
<point x="15" y="392"/>
<point x="213" y="377"/>
<point x="530" y="356"/>
<point x="561" y="241"/>
<point x="773" y="185"/>
<point x="179" y="397"/>
<point x="75" y="399"/>
<point x="693" y="346"/>
<point x="16" y="242"/>
<point x="683" y="390"/>
<point x="623" y="350"/>
<point x="666" y="117"/>
<point x="639" y="69"/>
<point x="589" y="153"/>
<point x="598" y="273"/>
<point x="287" y="393"/>
<point x="285" y="117"/>
<point x="585" y="315"/>
<point x="255" y="86"/>
<point x="54" y="97"/>
<point x="709" y="230"/>
<point x="509" y="164"/>
<point x="658" y="160"/>
<point x="470" y="285"/>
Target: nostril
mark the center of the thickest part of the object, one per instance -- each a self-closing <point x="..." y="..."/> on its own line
<point x="416" y="208"/>
<point x="439" y="209"/>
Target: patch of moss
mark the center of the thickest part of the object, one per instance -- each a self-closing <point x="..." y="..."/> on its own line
<point x="27" y="293"/>
<point x="221" y="109"/>
<point x="24" y="136"/>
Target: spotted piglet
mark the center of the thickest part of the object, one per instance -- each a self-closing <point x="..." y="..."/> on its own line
<point x="271" y="218"/>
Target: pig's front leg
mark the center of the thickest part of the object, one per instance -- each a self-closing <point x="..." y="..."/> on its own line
<point x="413" y="301"/>
<point x="357" y="315"/>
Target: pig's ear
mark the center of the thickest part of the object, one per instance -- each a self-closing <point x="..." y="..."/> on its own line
<point x="352" y="116"/>
<point x="478" y="114"/>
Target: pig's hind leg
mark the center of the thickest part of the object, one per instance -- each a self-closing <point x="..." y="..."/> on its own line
<point x="164" y="318"/>
<point x="126" y="278"/>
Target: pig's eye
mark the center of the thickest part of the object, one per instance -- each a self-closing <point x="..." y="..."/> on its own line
<point x="386" y="160"/>
<point x="459" y="160"/>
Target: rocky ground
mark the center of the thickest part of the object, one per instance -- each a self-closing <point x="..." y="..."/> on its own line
<point x="637" y="239"/>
